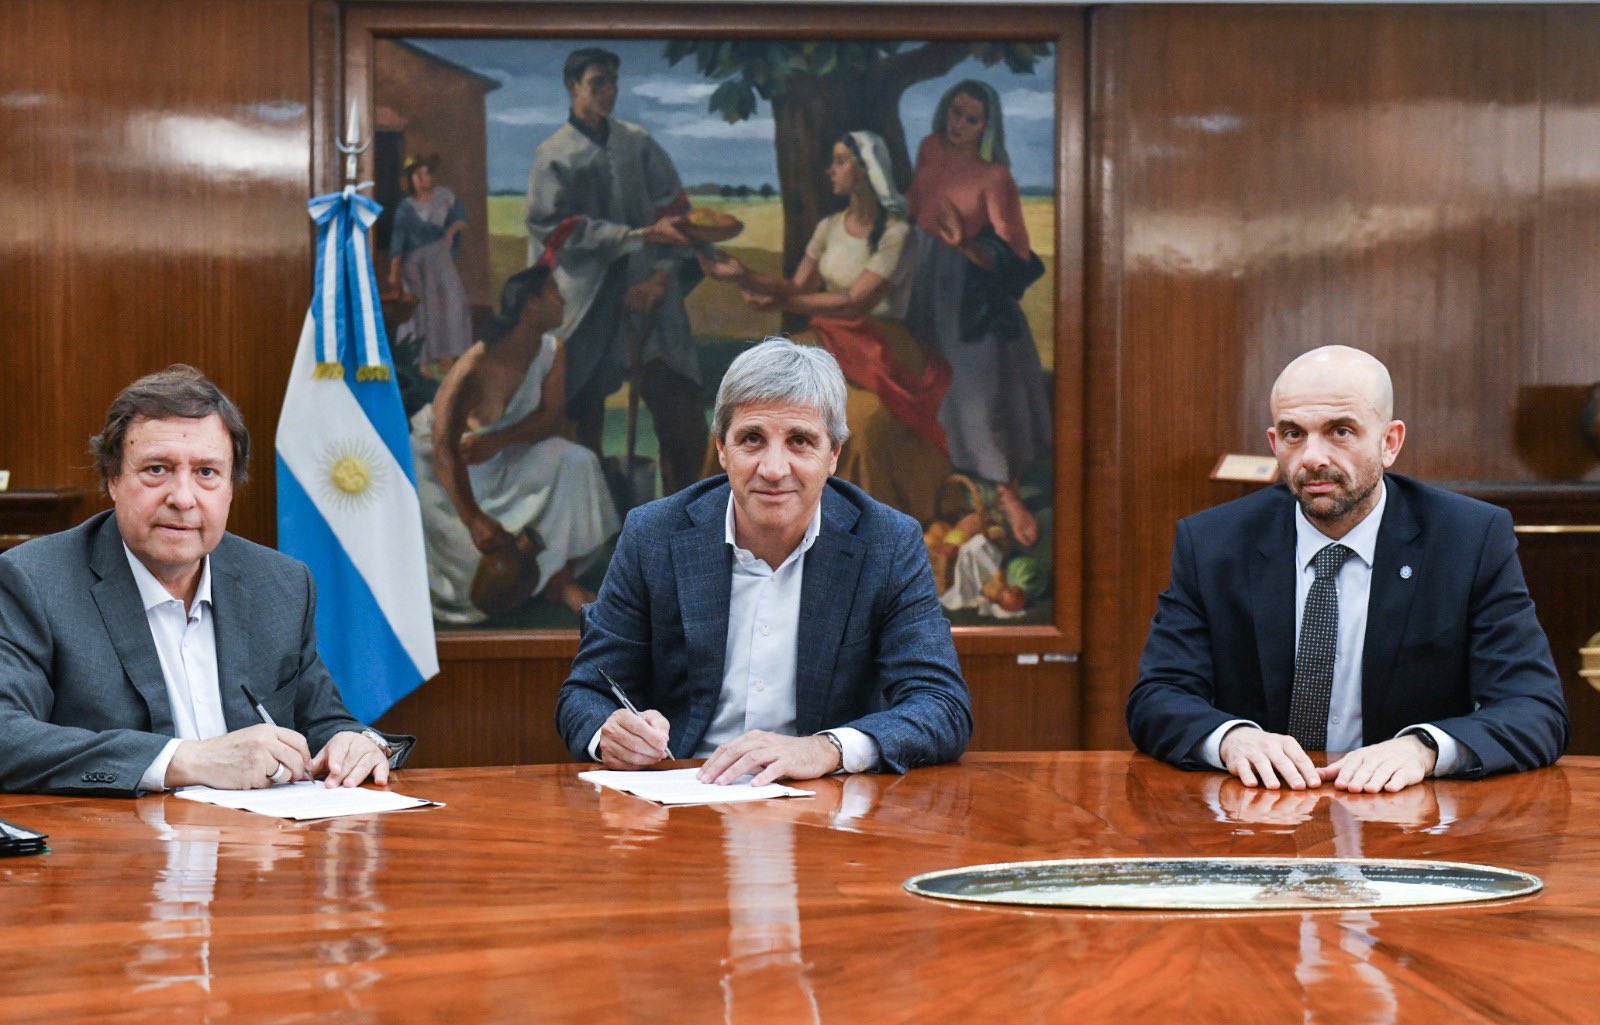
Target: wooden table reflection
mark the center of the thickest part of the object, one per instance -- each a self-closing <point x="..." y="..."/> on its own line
<point x="532" y="897"/>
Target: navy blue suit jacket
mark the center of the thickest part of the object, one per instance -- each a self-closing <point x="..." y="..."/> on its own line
<point x="1455" y="643"/>
<point x="874" y="650"/>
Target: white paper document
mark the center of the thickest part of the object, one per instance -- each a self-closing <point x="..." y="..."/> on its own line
<point x="308" y="799"/>
<point x="678" y="786"/>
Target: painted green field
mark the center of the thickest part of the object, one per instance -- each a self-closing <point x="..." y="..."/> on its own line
<point x="715" y="309"/>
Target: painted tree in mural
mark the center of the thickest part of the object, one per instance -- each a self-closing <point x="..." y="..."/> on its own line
<point x="820" y="90"/>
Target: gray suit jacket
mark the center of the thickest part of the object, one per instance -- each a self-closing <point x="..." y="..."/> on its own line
<point x="83" y="703"/>
<point x="874" y="648"/>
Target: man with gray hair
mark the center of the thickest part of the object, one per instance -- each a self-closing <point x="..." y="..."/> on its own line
<point x="776" y="621"/>
<point x="1346" y="610"/>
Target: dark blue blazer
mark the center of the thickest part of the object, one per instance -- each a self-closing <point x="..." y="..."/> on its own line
<point x="874" y="650"/>
<point x="1455" y="643"/>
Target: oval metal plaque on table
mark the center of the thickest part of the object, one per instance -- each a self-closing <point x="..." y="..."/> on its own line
<point x="1225" y="884"/>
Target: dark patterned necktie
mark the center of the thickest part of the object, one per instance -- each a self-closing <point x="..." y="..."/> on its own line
<point x="1313" y="657"/>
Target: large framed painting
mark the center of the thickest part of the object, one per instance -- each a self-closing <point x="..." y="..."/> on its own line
<point x="589" y="212"/>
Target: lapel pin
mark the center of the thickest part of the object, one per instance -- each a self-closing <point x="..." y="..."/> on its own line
<point x="1405" y="572"/>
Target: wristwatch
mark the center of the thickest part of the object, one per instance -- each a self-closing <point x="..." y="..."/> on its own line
<point x="830" y="738"/>
<point x="1427" y="740"/>
<point x="377" y="738"/>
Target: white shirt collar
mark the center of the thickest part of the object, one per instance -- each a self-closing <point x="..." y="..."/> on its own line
<point x="151" y="590"/>
<point x="1362" y="538"/>
<point x="812" y="530"/>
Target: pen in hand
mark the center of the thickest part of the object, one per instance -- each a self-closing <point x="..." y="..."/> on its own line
<point x="622" y="698"/>
<point x="266" y="717"/>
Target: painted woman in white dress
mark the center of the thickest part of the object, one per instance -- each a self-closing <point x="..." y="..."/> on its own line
<point x="491" y="461"/>
<point x="852" y="287"/>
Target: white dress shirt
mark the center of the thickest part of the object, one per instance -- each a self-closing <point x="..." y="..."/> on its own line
<point x="758" y="675"/>
<point x="758" y="672"/>
<point x="1354" y="586"/>
<point x="186" y="643"/>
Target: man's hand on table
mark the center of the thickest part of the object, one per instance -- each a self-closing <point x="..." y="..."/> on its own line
<point x="1264" y="759"/>
<point x="349" y="759"/>
<point x="629" y="741"/>
<point x="248" y="759"/>
<point x="1392" y="765"/>
<point x="770" y="756"/>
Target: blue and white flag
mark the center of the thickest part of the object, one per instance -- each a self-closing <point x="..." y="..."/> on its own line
<point x="347" y="493"/>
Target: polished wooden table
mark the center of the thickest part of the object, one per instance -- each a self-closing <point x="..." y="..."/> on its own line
<point x="534" y="897"/>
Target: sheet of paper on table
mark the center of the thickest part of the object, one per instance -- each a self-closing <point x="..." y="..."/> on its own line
<point x="308" y="799"/>
<point x="678" y="786"/>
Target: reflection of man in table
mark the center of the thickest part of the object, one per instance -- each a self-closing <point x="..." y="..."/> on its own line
<point x="1414" y="808"/>
<point x="1346" y="610"/>
<point x="777" y="620"/>
<point x="124" y="641"/>
<point x="625" y="270"/>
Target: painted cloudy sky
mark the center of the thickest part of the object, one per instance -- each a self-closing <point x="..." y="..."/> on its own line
<point x="671" y="102"/>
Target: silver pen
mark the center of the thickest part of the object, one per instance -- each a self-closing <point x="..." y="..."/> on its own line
<point x="623" y="698"/>
<point x="618" y="692"/>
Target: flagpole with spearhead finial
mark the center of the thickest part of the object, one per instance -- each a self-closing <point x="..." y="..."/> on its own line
<point x="352" y="147"/>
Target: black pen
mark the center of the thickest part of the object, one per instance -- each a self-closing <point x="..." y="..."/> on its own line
<point x="261" y="710"/>
<point x="623" y="698"/>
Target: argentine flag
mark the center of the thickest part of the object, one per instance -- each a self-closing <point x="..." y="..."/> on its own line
<point x="347" y="493"/>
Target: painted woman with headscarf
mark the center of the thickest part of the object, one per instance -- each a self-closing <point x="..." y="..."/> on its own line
<point x="973" y="261"/>
<point x="422" y="245"/>
<point x="851" y="284"/>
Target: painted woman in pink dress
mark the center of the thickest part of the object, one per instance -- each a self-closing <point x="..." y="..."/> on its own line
<point x="972" y="263"/>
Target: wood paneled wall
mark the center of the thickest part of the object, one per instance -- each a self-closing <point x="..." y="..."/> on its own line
<point x="501" y="710"/>
<point x="153" y="180"/>
<point x="1421" y="182"/>
<point x="1418" y="182"/>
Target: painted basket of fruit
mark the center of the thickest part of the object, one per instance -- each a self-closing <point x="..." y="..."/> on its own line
<point x="704" y="226"/>
<point x="963" y="512"/>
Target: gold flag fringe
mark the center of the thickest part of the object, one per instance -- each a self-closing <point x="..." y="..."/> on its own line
<point x="334" y="371"/>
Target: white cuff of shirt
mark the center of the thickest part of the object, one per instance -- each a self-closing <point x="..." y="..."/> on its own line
<point x="860" y="750"/>
<point x="155" y="777"/>
<point x="1211" y="747"/>
<point x="632" y="242"/>
<point x="1449" y="750"/>
<point x="594" y="746"/>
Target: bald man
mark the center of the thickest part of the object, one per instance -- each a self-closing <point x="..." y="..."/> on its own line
<point x="1346" y="610"/>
